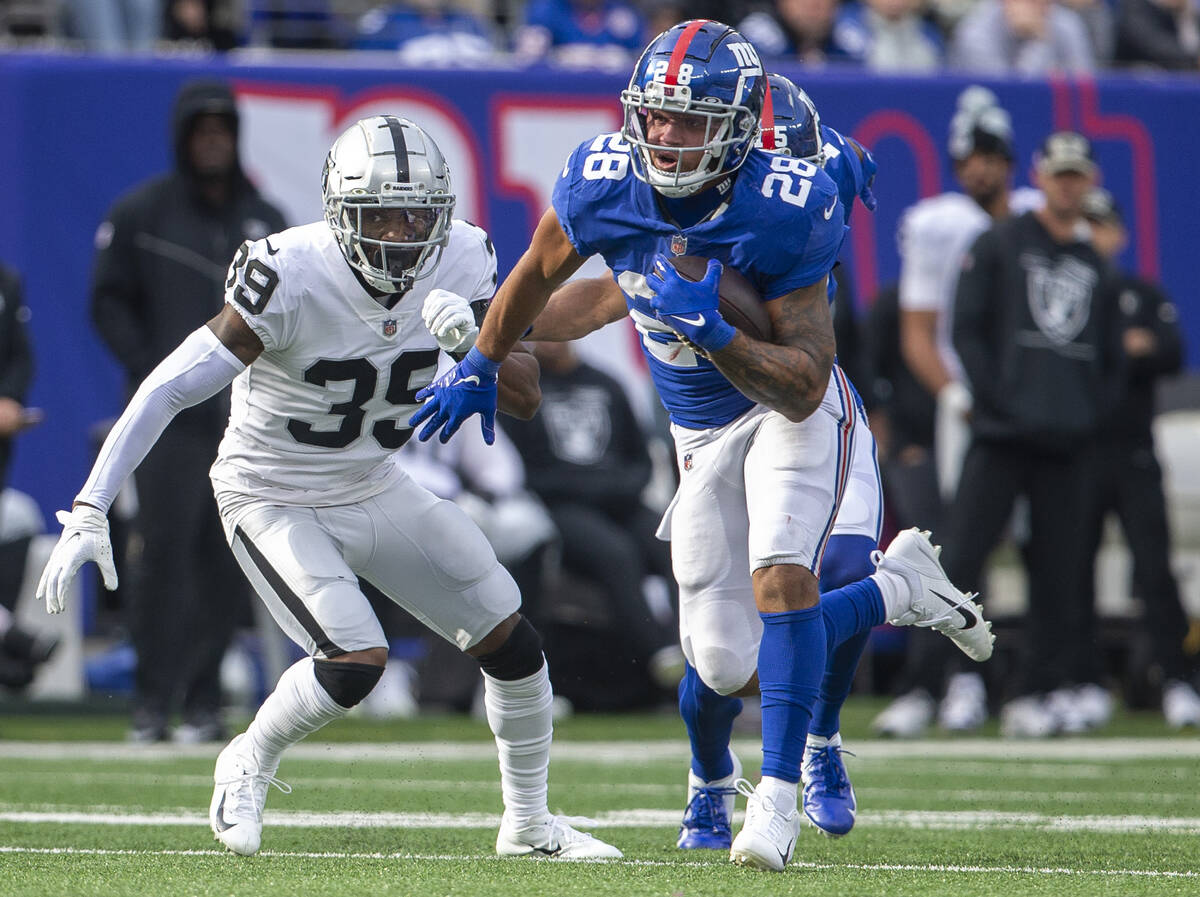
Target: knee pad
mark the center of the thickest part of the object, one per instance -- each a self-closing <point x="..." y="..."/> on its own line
<point x="724" y="671"/>
<point x="346" y="683"/>
<point x="518" y="658"/>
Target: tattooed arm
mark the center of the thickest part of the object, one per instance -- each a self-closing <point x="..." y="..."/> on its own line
<point x="790" y="374"/>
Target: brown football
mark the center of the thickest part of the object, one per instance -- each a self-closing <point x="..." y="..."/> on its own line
<point x="740" y="304"/>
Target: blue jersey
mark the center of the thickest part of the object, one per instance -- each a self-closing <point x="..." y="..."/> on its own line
<point x="853" y="175"/>
<point x="781" y="226"/>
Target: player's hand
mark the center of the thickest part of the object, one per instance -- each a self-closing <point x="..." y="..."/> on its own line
<point x="690" y="307"/>
<point x="467" y="388"/>
<point x="450" y="319"/>
<point x="84" y="538"/>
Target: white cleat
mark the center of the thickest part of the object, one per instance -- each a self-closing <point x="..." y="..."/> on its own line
<point x="964" y="708"/>
<point x="1027" y="717"/>
<point x="909" y="716"/>
<point x="768" y="837"/>
<point x="935" y="602"/>
<point x="1180" y="704"/>
<point x="554" y="838"/>
<point x="235" y="813"/>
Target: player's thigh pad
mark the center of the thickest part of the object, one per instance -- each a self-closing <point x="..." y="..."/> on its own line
<point x="719" y="626"/>
<point x="795" y="476"/>
<point x="861" y="510"/>
<point x="432" y="560"/>
<point x="295" y="563"/>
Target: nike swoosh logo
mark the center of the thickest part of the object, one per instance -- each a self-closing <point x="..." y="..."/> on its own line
<point x="271" y="250"/>
<point x="829" y="212"/>
<point x="548" y="851"/>
<point x="472" y="379"/>
<point x="784" y="855"/>
<point x="698" y="321"/>
<point x="219" y="822"/>
<point x="968" y="617"/>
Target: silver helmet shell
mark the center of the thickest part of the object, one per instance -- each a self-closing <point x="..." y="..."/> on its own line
<point x="387" y="163"/>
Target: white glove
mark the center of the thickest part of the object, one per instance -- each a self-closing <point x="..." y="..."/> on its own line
<point x="84" y="538"/>
<point x="952" y="435"/>
<point x="450" y="319"/>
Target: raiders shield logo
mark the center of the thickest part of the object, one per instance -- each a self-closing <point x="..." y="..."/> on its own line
<point x="678" y="244"/>
<point x="389" y="327"/>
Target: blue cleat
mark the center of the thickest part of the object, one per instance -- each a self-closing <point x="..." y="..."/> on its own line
<point x="829" y="800"/>
<point x="706" y="821"/>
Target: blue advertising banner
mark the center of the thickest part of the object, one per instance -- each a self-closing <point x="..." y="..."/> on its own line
<point x="76" y="132"/>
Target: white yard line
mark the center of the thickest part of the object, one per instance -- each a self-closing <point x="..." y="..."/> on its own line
<point x="639" y="753"/>
<point x="960" y="820"/>
<point x="458" y="858"/>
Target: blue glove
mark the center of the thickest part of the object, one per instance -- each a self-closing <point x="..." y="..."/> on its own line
<point x="689" y="307"/>
<point x="467" y="388"/>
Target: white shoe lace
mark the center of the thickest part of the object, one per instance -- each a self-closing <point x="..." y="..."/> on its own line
<point x="562" y="831"/>
<point x="245" y="794"/>
<point x="758" y="806"/>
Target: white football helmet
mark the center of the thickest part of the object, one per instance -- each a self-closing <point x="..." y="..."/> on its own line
<point x="388" y="200"/>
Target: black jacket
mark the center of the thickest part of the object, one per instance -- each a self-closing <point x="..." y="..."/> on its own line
<point x="584" y="444"/>
<point x="1143" y="304"/>
<point x="1033" y="326"/>
<point x="163" y="253"/>
<point x="16" y="355"/>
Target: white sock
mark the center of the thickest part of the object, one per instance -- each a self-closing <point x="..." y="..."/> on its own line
<point x="781" y="793"/>
<point x="816" y="742"/>
<point x="518" y="713"/>
<point x="897" y="595"/>
<point x="6" y="619"/>
<point x="297" y="707"/>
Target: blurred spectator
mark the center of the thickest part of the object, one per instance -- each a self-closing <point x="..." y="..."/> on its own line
<point x="293" y="24"/>
<point x="888" y="36"/>
<point x="1098" y="18"/>
<point x="207" y="22"/>
<point x="1161" y="33"/>
<point x="1033" y="326"/>
<point x="162" y="254"/>
<point x="802" y="29"/>
<point x="20" y="651"/>
<point x="1026" y="37"/>
<point x="427" y="32"/>
<point x="934" y="236"/>
<point x="113" y="26"/>
<point x="582" y="33"/>
<point x="587" y="459"/>
<point x="1129" y="479"/>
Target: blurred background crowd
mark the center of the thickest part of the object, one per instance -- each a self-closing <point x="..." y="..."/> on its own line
<point x="1029" y="37"/>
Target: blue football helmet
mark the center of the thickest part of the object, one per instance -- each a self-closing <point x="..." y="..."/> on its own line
<point x="791" y="125"/>
<point x="698" y="68"/>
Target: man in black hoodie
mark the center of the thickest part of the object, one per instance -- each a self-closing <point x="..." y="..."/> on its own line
<point x="162" y="256"/>
<point x="1033" y="326"/>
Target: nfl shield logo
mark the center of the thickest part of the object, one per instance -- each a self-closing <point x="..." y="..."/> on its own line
<point x="389" y="327"/>
<point x="687" y="461"/>
<point x="678" y="244"/>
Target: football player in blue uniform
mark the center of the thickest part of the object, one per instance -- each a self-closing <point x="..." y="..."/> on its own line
<point x="791" y="126"/>
<point x="764" y="430"/>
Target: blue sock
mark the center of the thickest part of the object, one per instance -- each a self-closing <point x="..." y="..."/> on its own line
<point x="709" y="718"/>
<point x="791" y="658"/>
<point x="850" y="612"/>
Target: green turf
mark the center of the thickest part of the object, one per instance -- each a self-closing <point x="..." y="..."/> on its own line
<point x="1099" y="817"/>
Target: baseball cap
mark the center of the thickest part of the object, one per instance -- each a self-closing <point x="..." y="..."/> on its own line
<point x="1065" y="151"/>
<point x="980" y="125"/>
<point x="1099" y="205"/>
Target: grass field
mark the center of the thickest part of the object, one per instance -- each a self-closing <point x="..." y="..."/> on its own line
<point x="412" y="808"/>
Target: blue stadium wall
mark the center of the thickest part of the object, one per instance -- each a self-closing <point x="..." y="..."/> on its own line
<point x="76" y="132"/>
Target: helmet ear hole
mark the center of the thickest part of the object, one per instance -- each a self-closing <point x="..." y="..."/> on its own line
<point x="387" y="163"/>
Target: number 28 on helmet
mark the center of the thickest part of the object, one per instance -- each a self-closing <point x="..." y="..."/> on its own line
<point x="698" y="69"/>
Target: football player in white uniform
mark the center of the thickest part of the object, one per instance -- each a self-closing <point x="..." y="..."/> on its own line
<point x="323" y="338"/>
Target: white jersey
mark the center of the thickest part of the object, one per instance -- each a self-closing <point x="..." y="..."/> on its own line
<point x="316" y="418"/>
<point x="934" y="236"/>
